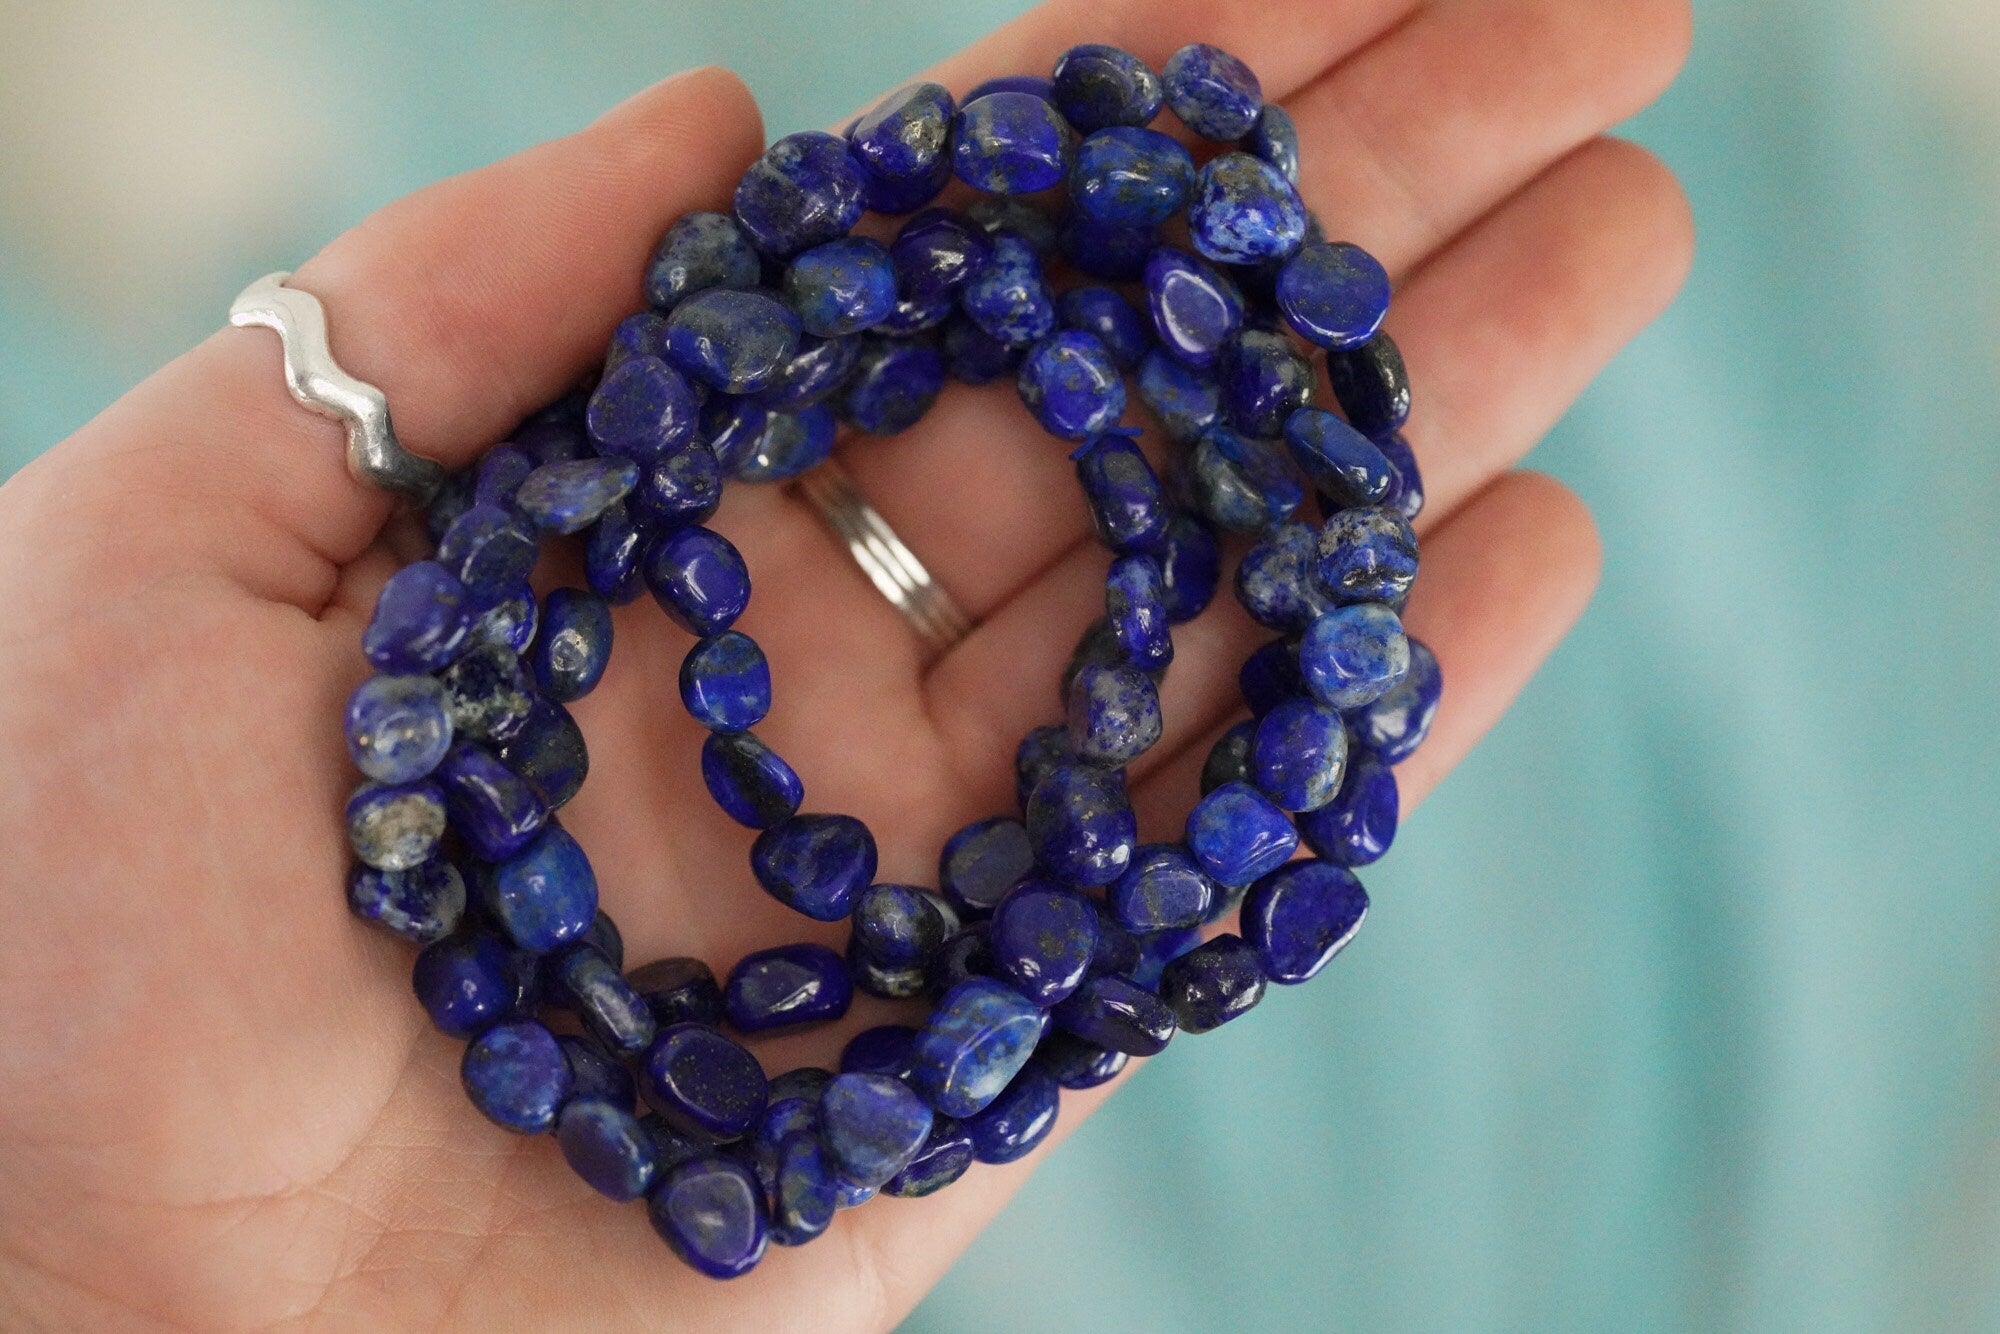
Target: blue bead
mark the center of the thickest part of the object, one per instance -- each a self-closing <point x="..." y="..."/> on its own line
<point x="1043" y="938"/>
<point x="698" y="579"/>
<point x="1212" y="983"/>
<point x="904" y="138"/>
<point x="1041" y="752"/>
<point x="1237" y="834"/>
<point x="1194" y="307"/>
<point x="1003" y="213"/>
<point x="569" y="497"/>
<point x="888" y="981"/>
<point x="1300" y="754"/>
<point x="1190" y="566"/>
<point x="1112" y="254"/>
<point x="421" y="904"/>
<point x="816" y="864"/>
<point x="1130" y="177"/>
<point x="1300" y="916"/>
<point x="1011" y="143"/>
<point x="1229" y="758"/>
<point x="810" y="374"/>
<point x="596" y="1075"/>
<point x="873" y="1125"/>
<point x="901" y="926"/>
<point x="1034" y="85"/>
<point x="1274" y="580"/>
<point x="680" y="488"/>
<point x="493" y="809"/>
<point x="945" y="1157"/>
<point x="1367" y="554"/>
<point x="611" y="1009"/>
<point x="1105" y="313"/>
<point x="786" y="986"/>
<point x="703" y="1084"/>
<point x="1244" y="211"/>
<point x="1270" y="676"/>
<point x="1126" y="503"/>
<point x="573" y="645"/>
<point x="679" y="991"/>
<point x="1071" y="384"/>
<point x="608" y="1148"/>
<point x="545" y="894"/>
<point x="1163" y="889"/>
<point x="466" y="982"/>
<point x="805" y="190"/>
<point x="504" y="620"/>
<point x="700" y="251"/>
<point x="1406" y="489"/>
<point x="488" y="694"/>
<point x="733" y="428"/>
<point x="395" y="826"/>
<point x="1398" y="721"/>
<point x="516" y="1074"/>
<point x="1116" y="1013"/>
<point x="421" y="621"/>
<point x="1275" y="139"/>
<point x="1242" y="485"/>
<point x="973" y="1045"/>
<point x="711" y="1213"/>
<point x="1359" y="824"/>
<point x="1213" y="92"/>
<point x="643" y="409"/>
<point x="892" y="386"/>
<point x="611" y="557"/>
<point x="548" y="753"/>
<point x="966" y="953"/>
<point x="640" y="335"/>
<point x="1014" y="1124"/>
<point x="397" y="727"/>
<point x="805" y="1193"/>
<point x="1186" y="401"/>
<point x="1076" y="1064"/>
<point x="1353" y="655"/>
<point x="1346" y="466"/>
<point x="791" y="443"/>
<point x="1082" y="825"/>
<point x="841" y="287"/>
<point x="1371" y="384"/>
<point x="1135" y="605"/>
<point x="984" y="860"/>
<point x="936" y="251"/>
<point x="915" y="314"/>
<point x="488" y="548"/>
<point x="1096" y="86"/>
<point x="1162" y="947"/>
<point x="1334" y="294"/>
<point x="1114" y="714"/>
<point x="734" y="341"/>
<point x="882" y="1050"/>
<point x="1006" y="296"/>
<point x="725" y="682"/>
<point x="1264" y="382"/>
<point x="750" y="782"/>
<point x="501" y="473"/>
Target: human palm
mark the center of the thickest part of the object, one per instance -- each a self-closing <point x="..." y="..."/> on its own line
<point x="220" y="1105"/>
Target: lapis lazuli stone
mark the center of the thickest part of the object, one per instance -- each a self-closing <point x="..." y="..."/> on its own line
<point x="1270" y="676"/>
<point x="1114" y="714"/>
<point x="641" y="335"/>
<point x="1300" y="754"/>
<point x="1213" y="983"/>
<point x="905" y="137"/>
<point x="901" y="926"/>
<point x="841" y="286"/>
<point x="1127" y="506"/>
<point x="1041" y="752"/>
<point x="1406" y="491"/>
<point x="545" y="894"/>
<point x="1187" y="401"/>
<point x="732" y="340"/>
<point x="1366" y="555"/>
<point x="1300" y="916"/>
<point x="1077" y="1064"/>
<point x="598" y="1075"/>
<point x="1347" y="467"/>
<point x="489" y="549"/>
<point x="504" y="619"/>
<point x="679" y="991"/>
<point x="1110" y="253"/>
<point x="873" y="1125"/>
<point x="936" y="251"/>
<point x="792" y="442"/>
<point x="488" y="693"/>
<point x="1359" y="824"/>
<point x="786" y="986"/>
<point x="548" y="753"/>
<point x="811" y="373"/>
<point x="1043" y="940"/>
<point x="1229" y="758"/>
<point x="1396" y="723"/>
<point x="1130" y="177"/>
<point x="1190" y="566"/>
<point x="611" y="557"/>
<point x="893" y="385"/>
<point x="1264" y="381"/>
<point x="889" y="981"/>
<point x="682" y="487"/>
<point x="1135" y="606"/>
<point x="611" y="1009"/>
<point x="1007" y="297"/>
<point x="725" y="682"/>
<point x="1014" y="1124"/>
<point x="1116" y="1013"/>
<point x="1194" y="307"/>
<point x="1274" y="580"/>
<point x="1333" y="294"/>
<point x="516" y="1074"/>
<point x="1244" y="211"/>
<point x="568" y="497"/>
<point x="1371" y="384"/>
<point x="1115" y="322"/>
<point x="397" y="727"/>
<point x="1353" y="655"/>
<point x="804" y="191"/>
<point x="642" y="409"/>
<point x="804" y="1194"/>
<point x="465" y="982"/>
<point x="712" y="1214"/>
<point x="608" y="1148"/>
<point x="421" y="621"/>
<point x="1096" y="86"/>
<point x="1213" y="92"/>
<point x="1237" y="834"/>
<point x="750" y="782"/>
<point x="984" y="860"/>
<point x="1082" y="825"/>
<point x="1072" y="385"/>
<point x="500" y="475"/>
<point x="882" y="1050"/>
<point x="945" y="1157"/>
<point x="703" y="1083"/>
<point x="816" y="864"/>
<point x="1163" y="889"/>
<point x="1240" y="484"/>
<point x="422" y="904"/>
<point x="1011" y="143"/>
<point x="395" y="826"/>
<point x="573" y="644"/>
<point x="974" y="356"/>
<point x="974" y="1043"/>
<point x="699" y="579"/>
<point x="493" y="809"/>
<point x="701" y="250"/>
<point x="1275" y="139"/>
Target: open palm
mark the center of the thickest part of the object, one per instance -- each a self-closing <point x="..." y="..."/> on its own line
<point x="220" y="1105"/>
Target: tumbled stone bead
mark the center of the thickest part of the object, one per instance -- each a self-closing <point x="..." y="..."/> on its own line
<point x="1011" y="143"/>
<point x="732" y="340"/>
<point x="699" y="579"/>
<point x="892" y="386"/>
<point x="642" y="409"/>
<point x="1275" y="139"/>
<point x="1096" y="86"/>
<point x="1072" y="386"/>
<point x="465" y="982"/>
<point x="1115" y="1013"/>
<point x="936" y="251"/>
<point x="1406" y="489"/>
<point x="1270" y="676"/>
<point x="515" y="1074"/>
<point x="1372" y="385"/>
<point x="394" y="827"/>
<point x="1190" y="566"/>
<point x="493" y="809"/>
<point x="1110" y="253"/>
<point x="1212" y="983"/>
<point x="1076" y="1064"/>
<point x="841" y="287"/>
<point x="1041" y="752"/>
<point x="1300" y="754"/>
<point x="712" y="1214"/>
<point x="1213" y="92"/>
<point x="1042" y="940"/>
<point x="815" y="864"/>
<point x="815" y="370"/>
<point x="1333" y="294"/>
<point x="611" y="554"/>
<point x="905" y="136"/>
<point x="901" y="926"/>
<point x="1244" y="211"/>
<point x="1242" y="485"/>
<point x="1082" y="825"/>
<point x="791" y="443"/>
<point x="421" y="620"/>
<point x="1264" y="381"/>
<point x="1300" y="916"/>
<point x="804" y="191"/>
<point x="1346" y="466"/>
<point x="1237" y="834"/>
<point x="1007" y="297"/>
<point x="915" y="314"/>
<point x="504" y="619"/>
<point x="888" y="981"/>
<point x="607" y="1147"/>
<point x="1097" y="646"/>
<point x="1114" y="714"/>
<point x="985" y="859"/>
<point x="573" y="644"/>
<point x="678" y="991"/>
<point x="1359" y="824"/>
<point x="488" y="549"/>
<point x="421" y="904"/>
<point x="547" y="752"/>
<point x="882" y="1050"/>
<point x="703" y="1083"/>
<point x="785" y="1115"/>
<point x="546" y="894"/>
<point x="600" y="1077"/>
<point x="1274" y="580"/>
<point x="1229" y="758"/>
<point x="641" y="335"/>
<point x="1014" y="1124"/>
<point x="1353" y="655"/>
<point x="725" y="682"/>
<point x="873" y="1125"/>
<point x="1164" y="888"/>
<point x="974" y="1043"/>
<point x="568" y="497"/>
<point x="1366" y="554"/>
<point x="803" y="1193"/>
<point x="1194" y="307"/>
<point x="945" y="1157"/>
<point x="1397" y="722"/>
<point x="700" y="251"/>
<point x="1104" y="313"/>
<point x="1135" y="606"/>
<point x="786" y="986"/>
<point x="750" y="782"/>
<point x="610" y="1008"/>
<point x="683" y="487"/>
<point x="500" y="475"/>
<point x="488" y="694"/>
<point x="397" y="727"/>
<point x="1004" y="213"/>
<point x="1130" y="177"/>
<point x="1187" y="401"/>
<point x="1127" y="506"/>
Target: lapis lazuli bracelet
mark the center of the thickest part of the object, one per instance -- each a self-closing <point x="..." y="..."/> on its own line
<point x="1055" y="946"/>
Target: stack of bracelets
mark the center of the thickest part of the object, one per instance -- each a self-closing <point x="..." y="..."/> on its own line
<point x="1055" y="946"/>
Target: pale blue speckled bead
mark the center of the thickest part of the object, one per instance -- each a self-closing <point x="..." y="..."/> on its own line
<point x="1274" y="580"/>
<point x="1244" y="211"/>
<point x="1072" y="386"/>
<point x="1114" y="714"/>
<point x="1213" y="92"/>
<point x="701" y="250"/>
<point x="1396" y="723"/>
<point x="395" y="826"/>
<point x="1130" y="177"/>
<point x="1368" y="554"/>
<point x="1351" y="656"/>
<point x="422" y="904"/>
<point x="1237" y="834"/>
<point x="1011" y="143"/>
<point x="397" y="727"/>
<point x="1136" y="608"/>
<point x="1006" y="297"/>
<point x="873" y="1126"/>
<point x="973" y="1045"/>
<point x="1299" y="754"/>
<point x="805" y="190"/>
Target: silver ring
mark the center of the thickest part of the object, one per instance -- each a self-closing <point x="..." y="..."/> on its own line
<point x="892" y="567"/>
<point x="374" y="455"/>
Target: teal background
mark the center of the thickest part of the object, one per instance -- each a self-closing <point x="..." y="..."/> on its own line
<point x="1679" y="1008"/>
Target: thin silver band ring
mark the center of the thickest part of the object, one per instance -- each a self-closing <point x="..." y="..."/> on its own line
<point x="891" y="566"/>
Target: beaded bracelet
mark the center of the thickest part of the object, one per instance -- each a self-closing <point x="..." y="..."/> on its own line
<point x="1055" y="947"/>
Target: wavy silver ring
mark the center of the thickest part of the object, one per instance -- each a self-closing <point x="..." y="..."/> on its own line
<point x="892" y="567"/>
<point x="315" y="379"/>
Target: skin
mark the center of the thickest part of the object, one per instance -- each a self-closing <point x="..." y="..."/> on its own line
<point x="220" y="1107"/>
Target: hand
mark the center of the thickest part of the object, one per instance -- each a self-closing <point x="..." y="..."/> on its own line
<point x="221" y="1106"/>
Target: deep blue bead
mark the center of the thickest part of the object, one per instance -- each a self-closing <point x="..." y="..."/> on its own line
<point x="573" y="644"/>
<point x="545" y="894"/>
<point x="698" y="579"/>
<point x="725" y="682"/>
<point x="1011" y="143"/>
<point x="1241" y="484"/>
<point x="1372" y="385"/>
<point x="611" y="557"/>
<point x="712" y="1214"/>
<point x="703" y="1083"/>
<point x="787" y="1113"/>
<point x="1041" y="752"/>
<point x="1116" y="1013"/>
<point x="733" y="428"/>
<point x="1406" y="489"/>
<point x="643" y="409"/>
<point x="1042" y="939"/>
<point x="604" y="936"/>
<point x="1354" y="655"/>
<point x="804" y="1194"/>
<point x="1244" y="211"/>
<point x="901" y="926"/>
<point x="504" y="619"/>
<point x="1035" y="85"/>
<point x="944" y="1159"/>
<point x="1300" y="754"/>
<point x="516" y="1074"/>
<point x="888" y="981"/>
<point x="810" y="374"/>
<point x="422" y="904"/>
<point x="397" y="727"/>
<point x="640" y="335"/>
<point x="791" y="443"/>
<point x="465" y="982"/>
<point x="680" y="488"/>
<point x="1213" y="92"/>
<point x="679" y="991"/>
<point x="1274" y="580"/>
<point x="1264" y="382"/>
<point x="1229" y="758"/>
<point x="1130" y="177"/>
<point x="1367" y="554"/>
<point x="786" y="986"/>
<point x="892" y="386"/>
<point x="1161" y="948"/>
<point x="1359" y="824"/>
<point x="732" y="340"/>
<point x="1187" y="401"/>
<point x="1126" y="503"/>
<point x="1114" y="714"/>
<point x="1095" y="86"/>
<point x="816" y="864"/>
<point x="548" y="753"/>
<point x="904" y="138"/>
<point x="891" y="198"/>
<point x="1346" y="466"/>
<point x="1082" y="825"/>
<point x="1105" y="313"/>
<point x="1135" y="605"/>
<point x="1212" y="983"/>
<point x="985" y="859"/>
<point x="1270" y="676"/>
<point x="936" y="251"/>
<point x="841" y="287"/>
<point x="488" y="548"/>
<point x="1300" y="916"/>
<point x="608" y="1148"/>
<point x="1237" y="834"/>
<point x="1275" y="139"/>
<point x="568" y="497"/>
<point x="1014" y="1124"/>
<point x="1112" y="254"/>
<point x="488" y="693"/>
<point x="611" y="1009"/>
<point x="596" y="1074"/>
<point x="1194" y="307"/>
<point x="1163" y="889"/>
<point x="750" y="782"/>
<point x="804" y="191"/>
<point x="882" y="1050"/>
<point x="873" y="1125"/>
<point x="916" y="314"/>
<point x="1006" y="296"/>
<point x="421" y="622"/>
<point x="1004" y="213"/>
<point x="1072" y="385"/>
<point x="1333" y="294"/>
<point x="395" y="826"/>
<point x="973" y="1045"/>
<point x="1097" y="646"/>
<point x="501" y="473"/>
<point x="699" y="251"/>
<point x="1398" y="721"/>
<point x="494" y="809"/>
<point x="1190" y="566"/>
<point x="1076" y="1064"/>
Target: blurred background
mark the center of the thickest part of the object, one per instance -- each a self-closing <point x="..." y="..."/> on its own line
<point x="1680" y="1007"/>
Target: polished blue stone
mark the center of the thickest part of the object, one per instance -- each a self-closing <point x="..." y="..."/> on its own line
<point x="1161" y="948"/>
<point x="466" y="982"/>
<point x="679" y="991"/>
<point x="397" y="727"/>
<point x="611" y="554"/>
<point x="1213" y="983"/>
<point x="812" y="373"/>
<point x="610" y="1008"/>
<point x="1136" y="608"/>
<point x="786" y="986"/>
<point x="1347" y="467"/>
<point x="1237" y="834"/>
<point x="733" y="428"/>
<point x="608" y="1148"/>
<point x="1396" y="723"/>
<point x="873" y="1126"/>
<point x="421" y="622"/>
<point x="545" y="894"/>
<point x="725" y="682"/>
<point x="804" y="191"/>
<point x="1275" y="139"/>
<point x="1213" y="92"/>
<point x="642" y="409"/>
<point x="1190" y="566"/>
<point x="1274" y="580"/>
<point x="596" y="1074"/>
<point x="1076" y="1064"/>
<point x="1130" y="177"/>
<point x="904" y="138"/>
<point x="505" y="619"/>
<point x="680" y="488"/>
<point x="1163" y="889"/>
<point x="501" y="473"/>
<point x="1082" y="825"/>
<point x="1242" y="485"/>
<point x="882" y="1050"/>
<point x="395" y="826"/>
<point x="1072" y="386"/>
<point x="732" y="340"/>
<point x="1229" y="758"/>
<point x="816" y="864"/>
<point x="1127" y="505"/>
<point x="1264" y="382"/>
<point x="1334" y="294"/>
<point x="573" y="645"/>
<point x="889" y="981"/>
<point x="640" y="335"/>
<point x="516" y="1074"/>
<point x="488" y="548"/>
<point x="792" y="442"/>
<point x="422" y="904"/>
<point x="1115" y="322"/>
<point x="1353" y="655"/>
<point x="1096" y="86"/>
<point x="1117" y="1014"/>
<point x="495" y="810"/>
<point x="1367" y="554"/>
<point x="945" y="1157"/>
<point x="1371" y="384"/>
<point x="1035" y="85"/>
<point x="1299" y="755"/>
<point x="1406" y="488"/>
<point x="916" y="314"/>
<point x="1187" y="401"/>
<point x="1097" y="646"/>
<point x="892" y="386"/>
<point x="1113" y="254"/>
<point x="701" y="250"/>
<point x="974" y="1043"/>
<point x="804" y="1191"/>
<point x="985" y="859"/>
<point x="1014" y="1124"/>
<point x="936" y="251"/>
<point x="1041" y="752"/>
<point x="488" y="694"/>
<point x="1300" y="916"/>
<point x="1194" y="307"/>
<point x="790" y="1110"/>
<point x="1114" y="714"/>
<point x="712" y="1214"/>
<point x="750" y="782"/>
<point x="1004" y="213"/>
<point x="901" y="926"/>
<point x="568" y="497"/>
<point x="841" y="286"/>
<point x="1042" y="940"/>
<point x="1270" y="676"/>
<point x="547" y="752"/>
<point x="1006" y="296"/>
<point x="703" y="1083"/>
<point x="1011" y="143"/>
<point x="1359" y="824"/>
<point x="699" y="579"/>
<point x="1244" y="211"/>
